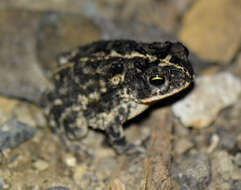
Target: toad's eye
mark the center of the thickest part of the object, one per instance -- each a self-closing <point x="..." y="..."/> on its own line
<point x="157" y="80"/>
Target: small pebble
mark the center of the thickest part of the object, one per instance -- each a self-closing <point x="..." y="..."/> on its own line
<point x="237" y="159"/>
<point x="227" y="141"/>
<point x="13" y="133"/>
<point x="70" y="160"/>
<point x="40" y="165"/>
<point x="214" y="143"/>
<point x="183" y="145"/>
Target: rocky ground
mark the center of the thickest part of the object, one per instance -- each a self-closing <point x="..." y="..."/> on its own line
<point x="193" y="142"/>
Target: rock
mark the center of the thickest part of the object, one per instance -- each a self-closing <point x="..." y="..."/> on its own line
<point x="212" y="40"/>
<point x="211" y="94"/>
<point x="182" y="145"/>
<point x="237" y="159"/>
<point x="6" y="108"/>
<point x="132" y="30"/>
<point x="160" y="13"/>
<point x="79" y="172"/>
<point x="2" y="184"/>
<point x="89" y="181"/>
<point x="13" y="133"/>
<point x="219" y="185"/>
<point x="20" y="75"/>
<point x="26" y="113"/>
<point x="41" y="165"/>
<point x="236" y="185"/>
<point x="105" y="166"/>
<point x="70" y="160"/>
<point x="227" y="140"/>
<point x="193" y="172"/>
<point x="116" y="184"/>
<point x="236" y="66"/>
<point x="72" y="6"/>
<point x="222" y="164"/>
<point x="117" y="29"/>
<point x="163" y="13"/>
<point x="239" y="141"/>
<point x="57" y="188"/>
<point x="60" y="32"/>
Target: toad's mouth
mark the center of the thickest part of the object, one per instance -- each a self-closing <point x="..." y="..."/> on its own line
<point x="156" y="98"/>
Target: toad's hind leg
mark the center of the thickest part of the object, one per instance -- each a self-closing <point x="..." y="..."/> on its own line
<point x="116" y="138"/>
<point x="75" y="125"/>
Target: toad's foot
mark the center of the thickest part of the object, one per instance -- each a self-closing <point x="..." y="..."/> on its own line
<point x="121" y="146"/>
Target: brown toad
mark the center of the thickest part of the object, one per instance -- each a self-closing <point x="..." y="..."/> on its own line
<point x="104" y="84"/>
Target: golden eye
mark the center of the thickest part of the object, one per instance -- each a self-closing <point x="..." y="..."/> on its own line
<point x="157" y="80"/>
<point x="115" y="80"/>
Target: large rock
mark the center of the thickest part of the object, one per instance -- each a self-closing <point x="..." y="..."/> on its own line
<point x="211" y="94"/>
<point x="212" y="29"/>
<point x="20" y="75"/>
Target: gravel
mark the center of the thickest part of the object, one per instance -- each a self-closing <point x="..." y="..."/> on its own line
<point x="193" y="173"/>
<point x="57" y="188"/>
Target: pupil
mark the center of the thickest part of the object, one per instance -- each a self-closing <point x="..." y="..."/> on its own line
<point x="157" y="81"/>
